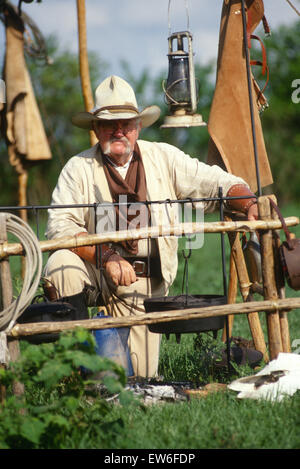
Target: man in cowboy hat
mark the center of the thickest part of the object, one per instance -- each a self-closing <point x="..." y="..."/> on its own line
<point x="121" y="165"/>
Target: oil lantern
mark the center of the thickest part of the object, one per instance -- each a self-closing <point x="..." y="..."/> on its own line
<point x="180" y="89"/>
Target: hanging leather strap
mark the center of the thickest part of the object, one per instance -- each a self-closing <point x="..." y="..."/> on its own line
<point x="264" y="55"/>
<point x="263" y="63"/>
<point x="250" y="36"/>
<point x="266" y="26"/>
<point x="285" y="228"/>
<point x="249" y="24"/>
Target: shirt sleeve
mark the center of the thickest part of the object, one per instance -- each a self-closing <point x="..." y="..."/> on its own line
<point x="195" y="179"/>
<point x="67" y="221"/>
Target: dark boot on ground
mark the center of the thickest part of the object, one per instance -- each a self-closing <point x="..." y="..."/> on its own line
<point x="71" y="308"/>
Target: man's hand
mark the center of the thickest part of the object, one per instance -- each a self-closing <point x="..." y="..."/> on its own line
<point x="244" y="205"/>
<point x="252" y="213"/>
<point x="120" y="271"/>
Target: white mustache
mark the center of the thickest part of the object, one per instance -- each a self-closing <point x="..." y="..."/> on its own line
<point x="107" y="149"/>
<point x="121" y="139"/>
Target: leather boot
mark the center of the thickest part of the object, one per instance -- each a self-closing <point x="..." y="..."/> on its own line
<point x="70" y="308"/>
<point x="79" y="303"/>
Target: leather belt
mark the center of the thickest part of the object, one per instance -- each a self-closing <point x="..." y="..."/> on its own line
<point x="145" y="267"/>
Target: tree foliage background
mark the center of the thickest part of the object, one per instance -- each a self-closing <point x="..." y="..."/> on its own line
<point x="58" y="92"/>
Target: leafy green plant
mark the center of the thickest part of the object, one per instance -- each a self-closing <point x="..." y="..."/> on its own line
<point x="192" y="360"/>
<point x="61" y="407"/>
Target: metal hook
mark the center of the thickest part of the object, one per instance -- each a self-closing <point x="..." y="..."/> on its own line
<point x="185" y="278"/>
<point x="187" y="256"/>
<point x="169" y="201"/>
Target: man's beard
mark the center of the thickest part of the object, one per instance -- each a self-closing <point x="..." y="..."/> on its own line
<point x="107" y="146"/>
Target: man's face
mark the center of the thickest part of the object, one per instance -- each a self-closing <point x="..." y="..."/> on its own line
<point x="117" y="137"/>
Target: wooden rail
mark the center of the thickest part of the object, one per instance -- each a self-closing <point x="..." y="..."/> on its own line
<point x="182" y="229"/>
<point x="21" y="330"/>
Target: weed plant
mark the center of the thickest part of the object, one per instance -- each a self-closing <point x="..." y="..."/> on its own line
<point x="61" y="406"/>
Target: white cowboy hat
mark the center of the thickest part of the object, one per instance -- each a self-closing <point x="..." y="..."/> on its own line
<point x="115" y="99"/>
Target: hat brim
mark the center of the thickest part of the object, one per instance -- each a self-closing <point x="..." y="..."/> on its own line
<point x="85" y="120"/>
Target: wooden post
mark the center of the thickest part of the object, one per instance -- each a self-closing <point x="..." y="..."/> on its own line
<point x="7" y="298"/>
<point x="83" y="63"/>
<point x="283" y="317"/>
<point x="3" y="361"/>
<point x="22" y="180"/>
<point x="244" y="284"/>
<point x="269" y="281"/>
<point x="232" y="292"/>
<point x="5" y="287"/>
<point x="6" y="282"/>
<point x="22" y="192"/>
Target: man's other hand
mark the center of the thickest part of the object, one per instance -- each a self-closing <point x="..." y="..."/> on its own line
<point x="252" y="213"/>
<point x="120" y="271"/>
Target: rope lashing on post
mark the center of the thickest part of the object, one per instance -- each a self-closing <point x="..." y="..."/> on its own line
<point x="33" y="269"/>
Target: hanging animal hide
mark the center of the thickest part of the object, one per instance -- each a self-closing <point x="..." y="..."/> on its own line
<point x="20" y="120"/>
<point x="229" y="125"/>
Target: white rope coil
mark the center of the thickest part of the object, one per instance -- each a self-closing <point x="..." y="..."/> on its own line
<point x="33" y="270"/>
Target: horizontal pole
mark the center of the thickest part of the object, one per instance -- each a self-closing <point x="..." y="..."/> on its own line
<point x="182" y="229"/>
<point x="147" y="203"/>
<point x="21" y="330"/>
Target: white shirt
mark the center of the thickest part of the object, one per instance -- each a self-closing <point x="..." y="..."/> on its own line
<point x="170" y="174"/>
<point x="122" y="170"/>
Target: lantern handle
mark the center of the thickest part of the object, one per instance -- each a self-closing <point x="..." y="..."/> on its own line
<point x="172" y="84"/>
<point x="187" y="15"/>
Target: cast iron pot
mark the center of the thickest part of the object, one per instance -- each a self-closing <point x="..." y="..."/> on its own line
<point x="168" y="303"/>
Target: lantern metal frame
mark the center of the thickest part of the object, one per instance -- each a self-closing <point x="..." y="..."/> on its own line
<point x="183" y="114"/>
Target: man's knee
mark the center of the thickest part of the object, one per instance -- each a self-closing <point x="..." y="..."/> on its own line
<point x="66" y="272"/>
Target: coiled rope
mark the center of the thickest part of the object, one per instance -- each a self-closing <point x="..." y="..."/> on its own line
<point x="34" y="43"/>
<point x="33" y="270"/>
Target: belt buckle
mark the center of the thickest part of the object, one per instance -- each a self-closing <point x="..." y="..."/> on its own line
<point x="139" y="264"/>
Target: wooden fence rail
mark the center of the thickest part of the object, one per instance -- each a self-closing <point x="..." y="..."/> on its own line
<point x="21" y="330"/>
<point x="182" y="229"/>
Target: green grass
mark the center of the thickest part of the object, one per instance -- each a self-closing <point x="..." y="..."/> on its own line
<point x="219" y="420"/>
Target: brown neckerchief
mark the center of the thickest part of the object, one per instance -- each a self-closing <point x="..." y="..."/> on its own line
<point x="135" y="189"/>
